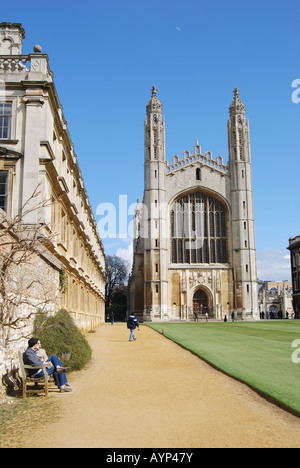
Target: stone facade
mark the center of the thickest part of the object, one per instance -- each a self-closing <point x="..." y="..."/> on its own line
<point x="36" y="150"/>
<point x="275" y="300"/>
<point x="194" y="247"/>
<point x="294" y="248"/>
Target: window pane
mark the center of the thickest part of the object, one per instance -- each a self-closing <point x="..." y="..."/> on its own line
<point x="179" y="223"/>
<point x="218" y="224"/>
<point x="7" y="108"/>
<point x="187" y="252"/>
<point x="224" y="251"/>
<point x="3" y="190"/>
<point x="223" y="224"/>
<point x="5" y="120"/>
<point x="218" y="249"/>
<point x="173" y="224"/>
<point x="193" y="252"/>
<point x="212" y="252"/>
<point x="205" y="251"/>
<point x="180" y="252"/>
<point x="174" y="251"/>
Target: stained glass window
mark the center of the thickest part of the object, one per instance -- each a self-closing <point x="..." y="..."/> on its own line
<point x="198" y="229"/>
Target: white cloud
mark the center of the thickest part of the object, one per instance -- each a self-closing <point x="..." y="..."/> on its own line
<point x="126" y="254"/>
<point x="273" y="264"/>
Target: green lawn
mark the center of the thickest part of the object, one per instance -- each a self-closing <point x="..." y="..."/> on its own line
<point x="258" y="353"/>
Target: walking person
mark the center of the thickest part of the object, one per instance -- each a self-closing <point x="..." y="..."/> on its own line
<point x="206" y="316"/>
<point x="232" y="317"/>
<point x="132" y="324"/>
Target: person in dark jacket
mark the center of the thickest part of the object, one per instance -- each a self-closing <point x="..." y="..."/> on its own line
<point x="132" y="324"/>
<point x="54" y="364"/>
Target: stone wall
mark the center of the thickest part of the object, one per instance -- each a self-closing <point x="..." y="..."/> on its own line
<point x="34" y="287"/>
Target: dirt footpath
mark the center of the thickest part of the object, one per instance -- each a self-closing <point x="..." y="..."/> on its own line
<point x="152" y="393"/>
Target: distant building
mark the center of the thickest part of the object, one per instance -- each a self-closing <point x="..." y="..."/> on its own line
<point x="275" y="299"/>
<point x="36" y="148"/>
<point x="194" y="248"/>
<point x="294" y="248"/>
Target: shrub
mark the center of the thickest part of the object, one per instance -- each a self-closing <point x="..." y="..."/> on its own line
<point x="59" y="335"/>
<point x="119" y="311"/>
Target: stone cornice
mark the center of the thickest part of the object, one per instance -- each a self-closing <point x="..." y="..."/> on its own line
<point x="9" y="153"/>
<point x="294" y="243"/>
<point x="34" y="100"/>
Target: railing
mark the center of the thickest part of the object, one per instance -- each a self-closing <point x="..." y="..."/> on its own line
<point x="36" y="63"/>
<point x="14" y="63"/>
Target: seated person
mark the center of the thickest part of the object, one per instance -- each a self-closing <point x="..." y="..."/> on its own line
<point x="54" y="365"/>
<point x="42" y="355"/>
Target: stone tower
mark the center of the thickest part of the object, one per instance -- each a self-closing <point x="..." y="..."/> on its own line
<point x="155" y="211"/>
<point x="243" y="233"/>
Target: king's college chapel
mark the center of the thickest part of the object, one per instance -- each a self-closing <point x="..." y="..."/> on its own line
<point x="194" y="246"/>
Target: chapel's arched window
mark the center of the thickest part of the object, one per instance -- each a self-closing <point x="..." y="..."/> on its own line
<point x="198" y="229"/>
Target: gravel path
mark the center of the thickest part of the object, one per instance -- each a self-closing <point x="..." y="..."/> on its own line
<point x="152" y="393"/>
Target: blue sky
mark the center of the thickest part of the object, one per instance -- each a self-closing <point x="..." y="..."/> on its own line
<point x="106" y="56"/>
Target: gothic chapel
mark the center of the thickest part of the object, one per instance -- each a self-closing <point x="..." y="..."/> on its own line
<point x="194" y="247"/>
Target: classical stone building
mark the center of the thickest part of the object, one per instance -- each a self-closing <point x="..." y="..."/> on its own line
<point x="294" y="248"/>
<point x="36" y="149"/>
<point x="275" y="299"/>
<point x="194" y="247"/>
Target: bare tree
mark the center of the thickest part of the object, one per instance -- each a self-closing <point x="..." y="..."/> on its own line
<point x="116" y="270"/>
<point x="25" y="289"/>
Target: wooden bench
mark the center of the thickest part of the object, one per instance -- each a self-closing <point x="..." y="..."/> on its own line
<point x="40" y="385"/>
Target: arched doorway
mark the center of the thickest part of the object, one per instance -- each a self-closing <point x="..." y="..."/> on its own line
<point x="200" y="303"/>
<point x="273" y="312"/>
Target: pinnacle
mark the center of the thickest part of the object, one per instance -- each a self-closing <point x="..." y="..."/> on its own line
<point x="154" y="105"/>
<point x="236" y="91"/>
<point x="237" y="106"/>
<point x="154" y="91"/>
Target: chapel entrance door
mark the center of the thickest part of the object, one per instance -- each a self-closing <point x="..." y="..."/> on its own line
<point x="200" y="304"/>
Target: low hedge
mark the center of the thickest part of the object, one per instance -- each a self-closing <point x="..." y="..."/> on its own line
<point x="59" y="335"/>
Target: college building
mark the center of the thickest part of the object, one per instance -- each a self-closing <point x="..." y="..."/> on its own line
<point x="194" y="246"/>
<point x="294" y="248"/>
<point x="36" y="150"/>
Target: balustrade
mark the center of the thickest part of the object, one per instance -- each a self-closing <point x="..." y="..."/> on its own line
<point x="12" y="64"/>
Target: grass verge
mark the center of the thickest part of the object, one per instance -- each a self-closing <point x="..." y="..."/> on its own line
<point x="257" y="353"/>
